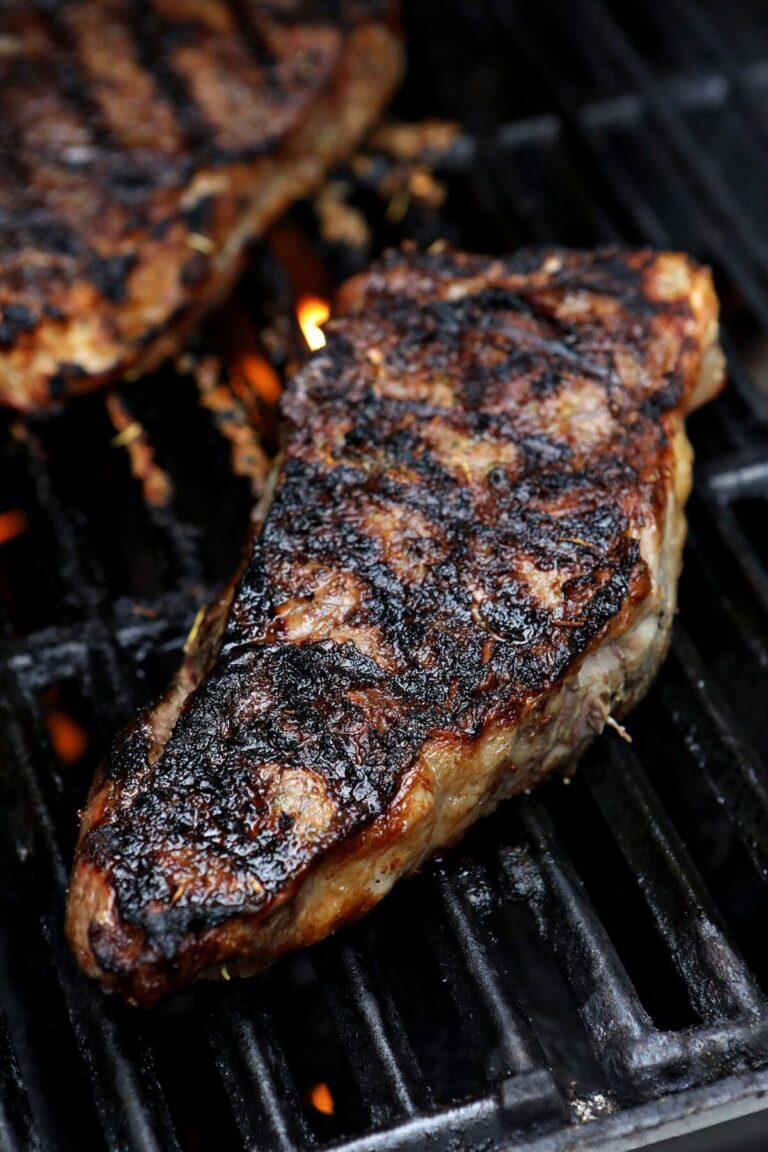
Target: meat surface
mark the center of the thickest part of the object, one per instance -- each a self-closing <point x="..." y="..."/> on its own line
<point x="466" y="564"/>
<point x="142" y="145"/>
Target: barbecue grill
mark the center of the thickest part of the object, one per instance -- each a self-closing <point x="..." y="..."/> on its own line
<point x="589" y="969"/>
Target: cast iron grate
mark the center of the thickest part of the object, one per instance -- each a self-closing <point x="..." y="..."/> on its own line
<point x="590" y="964"/>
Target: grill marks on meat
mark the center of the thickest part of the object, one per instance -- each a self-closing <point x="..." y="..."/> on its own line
<point x="468" y="561"/>
<point x="142" y="145"/>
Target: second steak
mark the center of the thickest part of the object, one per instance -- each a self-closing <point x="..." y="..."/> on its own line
<point x="142" y="145"/>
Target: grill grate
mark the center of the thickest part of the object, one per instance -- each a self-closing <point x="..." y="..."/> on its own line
<point x="590" y="964"/>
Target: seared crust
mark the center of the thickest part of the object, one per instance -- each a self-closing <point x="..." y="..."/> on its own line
<point x="142" y="145"/>
<point x="469" y="559"/>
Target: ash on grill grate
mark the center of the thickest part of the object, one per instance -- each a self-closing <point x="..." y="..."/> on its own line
<point x="593" y="955"/>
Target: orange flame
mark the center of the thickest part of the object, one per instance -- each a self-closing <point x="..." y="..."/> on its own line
<point x="12" y="524"/>
<point x="322" y="1099"/>
<point x="312" y="311"/>
<point x="260" y="376"/>
<point x="68" y="738"/>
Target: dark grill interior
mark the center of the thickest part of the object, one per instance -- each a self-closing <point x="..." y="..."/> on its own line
<point x="592" y="957"/>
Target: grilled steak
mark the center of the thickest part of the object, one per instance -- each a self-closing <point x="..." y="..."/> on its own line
<point x="467" y="564"/>
<point x="142" y="145"/>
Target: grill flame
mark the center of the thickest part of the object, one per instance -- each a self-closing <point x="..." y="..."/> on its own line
<point x="260" y="376"/>
<point x="68" y="738"/>
<point x="312" y="311"/>
<point x="322" y="1099"/>
<point x="12" y="524"/>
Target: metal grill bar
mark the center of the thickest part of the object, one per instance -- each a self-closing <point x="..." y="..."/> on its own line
<point x="750" y="474"/>
<point x="504" y="1042"/>
<point x="734" y="246"/>
<point x="543" y="877"/>
<point x="255" y="1074"/>
<point x="697" y="166"/>
<point x="736" y="775"/>
<point x="121" y="1068"/>
<point x="637" y="1057"/>
<point x="16" y="1130"/>
<point x="369" y="1025"/>
<point x="118" y="1071"/>
<point x="718" y="981"/>
<point x="692" y="21"/>
<point x="491" y="1016"/>
<point x="81" y="582"/>
<point x="477" y="1122"/>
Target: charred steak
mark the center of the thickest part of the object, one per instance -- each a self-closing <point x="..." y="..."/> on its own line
<point x="143" y="143"/>
<point x="466" y="565"/>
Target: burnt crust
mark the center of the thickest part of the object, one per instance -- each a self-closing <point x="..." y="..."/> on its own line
<point x="142" y="144"/>
<point x="469" y="467"/>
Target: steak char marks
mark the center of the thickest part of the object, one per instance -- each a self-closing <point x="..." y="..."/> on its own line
<point x="467" y="564"/>
<point x="142" y="145"/>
